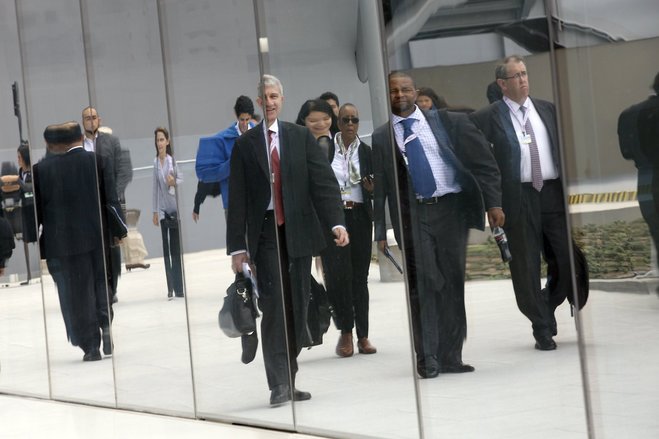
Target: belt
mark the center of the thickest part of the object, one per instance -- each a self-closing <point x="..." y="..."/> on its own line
<point x="351" y="204"/>
<point x="431" y="200"/>
<point x="435" y="200"/>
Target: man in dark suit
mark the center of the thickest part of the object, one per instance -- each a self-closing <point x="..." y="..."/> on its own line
<point x="281" y="228"/>
<point x="447" y="176"/>
<point x="638" y="136"/>
<point x="72" y="236"/>
<point x="117" y="161"/>
<point x="524" y="137"/>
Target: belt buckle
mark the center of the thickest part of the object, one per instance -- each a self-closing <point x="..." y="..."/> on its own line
<point x="431" y="200"/>
<point x="348" y="204"/>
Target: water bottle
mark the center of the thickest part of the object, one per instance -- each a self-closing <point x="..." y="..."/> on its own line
<point x="502" y="242"/>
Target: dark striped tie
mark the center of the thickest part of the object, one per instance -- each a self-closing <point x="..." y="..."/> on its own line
<point x="536" y="169"/>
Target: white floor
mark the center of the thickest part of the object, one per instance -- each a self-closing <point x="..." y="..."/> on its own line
<point x="516" y="391"/>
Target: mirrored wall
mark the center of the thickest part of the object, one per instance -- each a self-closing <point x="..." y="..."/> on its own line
<point x="454" y="347"/>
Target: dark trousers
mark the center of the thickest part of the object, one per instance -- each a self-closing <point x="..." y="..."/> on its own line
<point x="346" y="273"/>
<point x="81" y="276"/>
<point x="541" y="216"/>
<point x="284" y="320"/>
<point x="171" y="252"/>
<point x="439" y="236"/>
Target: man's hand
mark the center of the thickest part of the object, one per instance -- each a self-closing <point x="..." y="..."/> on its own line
<point x="342" y="238"/>
<point x="155" y="219"/>
<point x="496" y="217"/>
<point x="382" y="245"/>
<point x="195" y="216"/>
<point x="237" y="262"/>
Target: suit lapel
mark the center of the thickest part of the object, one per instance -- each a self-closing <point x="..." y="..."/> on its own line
<point x="547" y="118"/>
<point x="261" y="149"/>
<point x="506" y="126"/>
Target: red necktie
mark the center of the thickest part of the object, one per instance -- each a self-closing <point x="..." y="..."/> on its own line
<point x="276" y="180"/>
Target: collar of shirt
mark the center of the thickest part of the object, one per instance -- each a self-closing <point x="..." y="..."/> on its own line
<point x="416" y="114"/>
<point x="275" y="138"/>
<point x="74" y="147"/>
<point x="338" y="141"/>
<point x="514" y="106"/>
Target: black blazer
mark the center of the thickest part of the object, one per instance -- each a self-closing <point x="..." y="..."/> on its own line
<point x="68" y="203"/>
<point x="365" y="170"/>
<point x="469" y="152"/>
<point x="309" y="189"/>
<point x="117" y="160"/>
<point x="495" y="123"/>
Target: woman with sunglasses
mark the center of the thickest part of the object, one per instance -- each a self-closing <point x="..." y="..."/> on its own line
<point x="346" y="268"/>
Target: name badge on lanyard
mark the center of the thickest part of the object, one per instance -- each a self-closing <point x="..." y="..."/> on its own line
<point x="526" y="138"/>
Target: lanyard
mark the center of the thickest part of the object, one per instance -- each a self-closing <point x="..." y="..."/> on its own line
<point x="525" y="117"/>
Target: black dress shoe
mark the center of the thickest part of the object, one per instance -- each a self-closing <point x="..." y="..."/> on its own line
<point x="107" y="341"/>
<point x="545" y="343"/>
<point x="180" y="295"/>
<point x="300" y="395"/>
<point x="170" y="295"/>
<point x="456" y="368"/>
<point x="280" y="394"/>
<point x="428" y="367"/>
<point x="92" y="355"/>
<point x="250" y="343"/>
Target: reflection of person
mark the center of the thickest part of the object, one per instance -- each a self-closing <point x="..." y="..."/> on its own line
<point x="346" y="268"/>
<point x="72" y="235"/>
<point x="493" y="92"/>
<point x="441" y="160"/>
<point x="27" y="197"/>
<point x="317" y="115"/>
<point x="333" y="100"/>
<point x="305" y="192"/>
<point x="427" y="99"/>
<point x="524" y="136"/>
<point x="118" y="162"/>
<point x="166" y="178"/>
<point x="638" y="136"/>
<point x="7" y="244"/>
<point x="214" y="153"/>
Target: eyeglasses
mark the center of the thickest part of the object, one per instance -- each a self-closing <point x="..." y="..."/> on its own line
<point x="347" y="120"/>
<point x="516" y="75"/>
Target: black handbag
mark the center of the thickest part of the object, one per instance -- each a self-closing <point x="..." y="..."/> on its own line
<point x="318" y="315"/>
<point x="170" y="221"/>
<point x="238" y="314"/>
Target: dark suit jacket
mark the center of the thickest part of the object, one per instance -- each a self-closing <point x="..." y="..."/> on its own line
<point x="365" y="170"/>
<point x="469" y="152"/>
<point x="116" y="159"/>
<point x="648" y="129"/>
<point x="68" y="204"/>
<point x="309" y="190"/>
<point x="495" y="123"/>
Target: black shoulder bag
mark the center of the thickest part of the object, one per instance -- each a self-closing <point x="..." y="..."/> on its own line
<point x="238" y="314"/>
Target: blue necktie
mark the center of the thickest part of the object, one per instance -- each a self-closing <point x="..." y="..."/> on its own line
<point x="419" y="168"/>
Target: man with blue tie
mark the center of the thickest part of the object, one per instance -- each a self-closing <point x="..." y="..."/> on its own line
<point x="524" y="137"/>
<point x="447" y="177"/>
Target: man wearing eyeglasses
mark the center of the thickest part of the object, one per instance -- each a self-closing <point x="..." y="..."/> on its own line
<point x="524" y="138"/>
<point x="447" y="177"/>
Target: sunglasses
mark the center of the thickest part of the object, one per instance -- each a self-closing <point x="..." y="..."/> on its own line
<point x="347" y="120"/>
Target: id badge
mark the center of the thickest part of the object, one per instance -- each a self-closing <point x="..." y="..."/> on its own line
<point x="526" y="139"/>
<point x="346" y="191"/>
